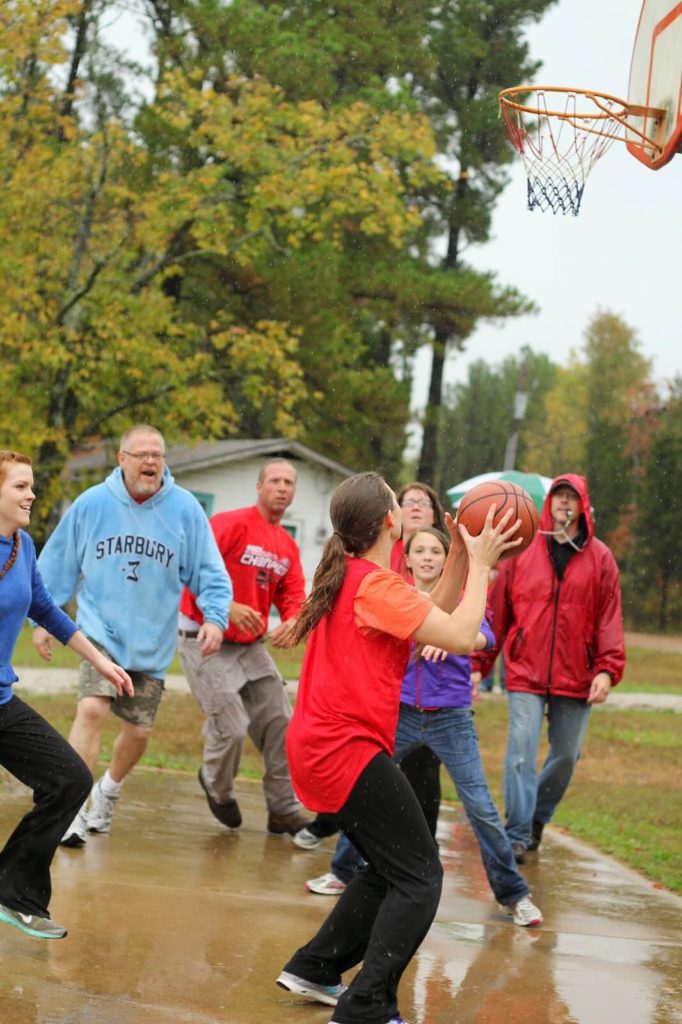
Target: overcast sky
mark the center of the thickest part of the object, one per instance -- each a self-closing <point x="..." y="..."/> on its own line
<point x="621" y="254"/>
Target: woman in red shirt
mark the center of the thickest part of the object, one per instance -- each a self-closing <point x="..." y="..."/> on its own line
<point x="359" y="620"/>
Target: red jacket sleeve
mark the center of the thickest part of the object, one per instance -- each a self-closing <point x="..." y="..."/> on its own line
<point x="500" y="616"/>
<point x="609" y="636"/>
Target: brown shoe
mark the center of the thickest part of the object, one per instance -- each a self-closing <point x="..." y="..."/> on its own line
<point x="279" y="824"/>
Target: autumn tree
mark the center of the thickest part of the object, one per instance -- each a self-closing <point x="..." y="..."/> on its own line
<point x="658" y="549"/>
<point x="132" y="241"/>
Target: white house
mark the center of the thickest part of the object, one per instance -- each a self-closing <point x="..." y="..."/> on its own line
<point x="223" y="475"/>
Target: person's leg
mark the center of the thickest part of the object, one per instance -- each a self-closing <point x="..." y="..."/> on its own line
<point x="525" y="722"/>
<point x="422" y="770"/>
<point x="347" y="860"/>
<point x="215" y="682"/>
<point x="86" y="730"/>
<point x="451" y="734"/>
<point x="268" y="709"/>
<point x="137" y="715"/>
<point x="383" y="915"/>
<point x="35" y="753"/>
<point x="567" y="726"/>
<point x="128" y="748"/>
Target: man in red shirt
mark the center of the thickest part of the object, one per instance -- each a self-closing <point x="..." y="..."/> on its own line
<point x="239" y="688"/>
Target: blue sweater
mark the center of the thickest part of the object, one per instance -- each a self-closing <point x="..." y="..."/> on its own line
<point x="23" y="593"/>
<point x="128" y="563"/>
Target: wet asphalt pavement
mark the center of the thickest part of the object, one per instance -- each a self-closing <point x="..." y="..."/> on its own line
<point x="174" y="920"/>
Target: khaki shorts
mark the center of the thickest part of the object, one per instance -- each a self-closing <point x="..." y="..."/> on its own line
<point x="138" y="710"/>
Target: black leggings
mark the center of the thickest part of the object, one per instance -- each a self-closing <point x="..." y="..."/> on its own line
<point x="383" y="915"/>
<point x="35" y="753"/>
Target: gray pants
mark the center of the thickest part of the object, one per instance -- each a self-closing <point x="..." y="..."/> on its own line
<point x="241" y="692"/>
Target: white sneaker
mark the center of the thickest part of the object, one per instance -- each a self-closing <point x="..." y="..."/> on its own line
<point x="524" y="913"/>
<point x="75" y="833"/>
<point x="101" y="809"/>
<point x="306" y="839"/>
<point x="326" y="885"/>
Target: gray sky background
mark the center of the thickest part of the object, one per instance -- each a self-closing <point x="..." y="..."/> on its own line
<point x="621" y="254"/>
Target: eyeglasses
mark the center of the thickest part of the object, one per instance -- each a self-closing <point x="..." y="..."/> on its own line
<point x="416" y="503"/>
<point x="145" y="456"/>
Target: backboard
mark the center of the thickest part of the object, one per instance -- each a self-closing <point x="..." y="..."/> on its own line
<point x="656" y="82"/>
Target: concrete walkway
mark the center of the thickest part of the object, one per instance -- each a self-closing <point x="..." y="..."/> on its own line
<point x="60" y="680"/>
<point x="174" y="920"/>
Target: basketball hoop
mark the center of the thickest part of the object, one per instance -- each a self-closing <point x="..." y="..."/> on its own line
<point x="559" y="147"/>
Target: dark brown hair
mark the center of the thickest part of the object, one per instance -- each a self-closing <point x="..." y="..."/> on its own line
<point x="8" y="458"/>
<point x="357" y="510"/>
<point x="438" y="511"/>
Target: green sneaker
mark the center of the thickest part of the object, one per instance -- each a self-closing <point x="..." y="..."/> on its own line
<point x="38" y="927"/>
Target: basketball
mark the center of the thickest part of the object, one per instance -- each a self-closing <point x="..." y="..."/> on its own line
<point x="474" y="506"/>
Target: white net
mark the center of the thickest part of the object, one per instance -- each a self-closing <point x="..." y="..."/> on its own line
<point x="559" y="145"/>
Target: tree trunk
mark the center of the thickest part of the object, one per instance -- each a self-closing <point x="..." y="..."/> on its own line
<point x="428" y="459"/>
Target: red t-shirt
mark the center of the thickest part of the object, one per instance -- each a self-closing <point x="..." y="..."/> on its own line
<point x="349" y="691"/>
<point x="264" y="564"/>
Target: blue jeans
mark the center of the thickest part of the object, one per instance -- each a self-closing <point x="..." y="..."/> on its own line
<point x="526" y="797"/>
<point x="450" y="734"/>
<point x="346" y="861"/>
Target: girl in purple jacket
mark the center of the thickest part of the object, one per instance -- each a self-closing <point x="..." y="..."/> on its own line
<point x="435" y="711"/>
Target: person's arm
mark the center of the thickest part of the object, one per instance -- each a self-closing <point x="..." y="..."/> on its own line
<point x="448" y="589"/>
<point x="210" y="581"/>
<point x="289" y="598"/>
<point x="117" y="676"/>
<point x="609" y="638"/>
<point x="458" y="632"/>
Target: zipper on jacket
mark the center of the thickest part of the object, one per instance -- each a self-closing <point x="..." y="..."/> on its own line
<point x="551" y="650"/>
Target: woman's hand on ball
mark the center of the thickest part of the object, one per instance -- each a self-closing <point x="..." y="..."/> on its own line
<point x="493" y="541"/>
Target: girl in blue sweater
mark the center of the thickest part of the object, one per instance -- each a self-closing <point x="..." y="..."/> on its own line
<point x="30" y="749"/>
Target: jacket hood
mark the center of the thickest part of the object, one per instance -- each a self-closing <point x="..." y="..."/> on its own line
<point x="117" y="486"/>
<point x="579" y="484"/>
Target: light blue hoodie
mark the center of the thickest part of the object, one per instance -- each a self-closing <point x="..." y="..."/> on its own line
<point x="129" y="563"/>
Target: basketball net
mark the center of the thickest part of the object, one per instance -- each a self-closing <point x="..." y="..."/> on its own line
<point x="560" y="146"/>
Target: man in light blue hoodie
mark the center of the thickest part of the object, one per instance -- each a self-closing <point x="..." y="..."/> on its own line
<point x="127" y="547"/>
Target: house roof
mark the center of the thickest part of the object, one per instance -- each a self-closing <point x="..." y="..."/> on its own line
<point x="208" y="454"/>
<point x="217" y="453"/>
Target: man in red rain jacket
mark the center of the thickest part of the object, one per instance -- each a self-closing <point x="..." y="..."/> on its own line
<point x="557" y="610"/>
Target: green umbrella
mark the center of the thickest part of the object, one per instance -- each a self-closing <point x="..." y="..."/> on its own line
<point x="537" y="486"/>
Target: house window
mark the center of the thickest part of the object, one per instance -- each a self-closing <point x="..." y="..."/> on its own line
<point x="292" y="529"/>
<point x="205" y="500"/>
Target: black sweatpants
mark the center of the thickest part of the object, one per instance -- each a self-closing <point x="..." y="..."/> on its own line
<point x="35" y="753"/>
<point x="383" y="915"/>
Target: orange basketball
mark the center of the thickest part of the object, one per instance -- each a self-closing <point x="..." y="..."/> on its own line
<point x="474" y="506"/>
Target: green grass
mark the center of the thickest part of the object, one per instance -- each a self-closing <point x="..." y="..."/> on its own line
<point x="625" y="797"/>
<point x="646" y="671"/>
<point x="26" y="656"/>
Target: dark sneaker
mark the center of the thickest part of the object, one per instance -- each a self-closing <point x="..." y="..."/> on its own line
<point x="31" y="924"/>
<point x="228" y="814"/>
<point x="536" y="835"/>
<point x="289" y="824"/>
<point x="519" y="851"/>
<point x="328" y="994"/>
